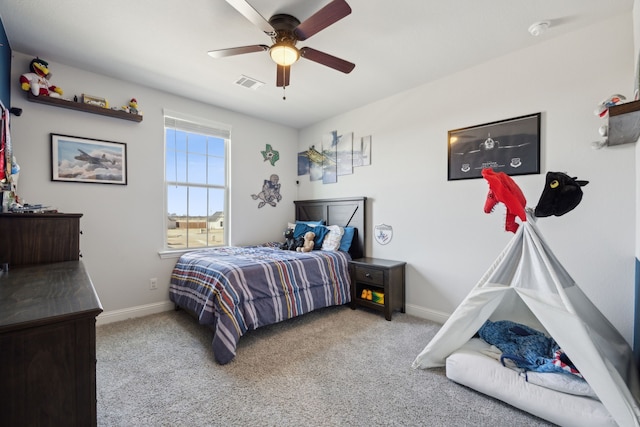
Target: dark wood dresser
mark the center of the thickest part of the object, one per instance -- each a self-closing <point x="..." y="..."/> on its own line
<point x="47" y="327"/>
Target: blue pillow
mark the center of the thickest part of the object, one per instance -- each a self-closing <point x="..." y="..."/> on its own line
<point x="319" y="230"/>
<point x="300" y="229"/>
<point x="321" y="222"/>
<point x="347" y="238"/>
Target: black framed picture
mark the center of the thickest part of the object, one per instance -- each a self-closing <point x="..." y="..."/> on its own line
<point x="75" y="159"/>
<point x="511" y="146"/>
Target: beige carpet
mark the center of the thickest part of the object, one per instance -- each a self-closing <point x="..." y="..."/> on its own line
<point x="332" y="367"/>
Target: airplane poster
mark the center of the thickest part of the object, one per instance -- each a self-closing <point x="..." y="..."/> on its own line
<point x="75" y="159"/>
<point x="510" y="146"/>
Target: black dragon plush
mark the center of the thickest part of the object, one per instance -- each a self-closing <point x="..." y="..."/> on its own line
<point x="561" y="194"/>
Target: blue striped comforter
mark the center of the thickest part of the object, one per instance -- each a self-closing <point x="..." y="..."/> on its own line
<point x="237" y="289"/>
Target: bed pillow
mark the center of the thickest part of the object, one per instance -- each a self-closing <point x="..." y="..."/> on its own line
<point x="319" y="230"/>
<point x="347" y="238"/>
<point x="292" y="225"/>
<point x="565" y="383"/>
<point x="333" y="237"/>
<point x="321" y="222"/>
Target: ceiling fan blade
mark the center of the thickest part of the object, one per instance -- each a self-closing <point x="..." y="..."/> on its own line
<point x="282" y="75"/>
<point x="330" y="14"/>
<point x="326" y="59"/>
<point x="223" y="53"/>
<point x="252" y="15"/>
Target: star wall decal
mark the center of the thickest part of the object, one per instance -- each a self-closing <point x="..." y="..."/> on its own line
<point x="270" y="155"/>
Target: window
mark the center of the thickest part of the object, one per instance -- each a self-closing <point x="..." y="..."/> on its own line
<point x="196" y="182"/>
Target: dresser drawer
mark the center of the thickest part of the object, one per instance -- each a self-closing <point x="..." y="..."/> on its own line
<point x="369" y="275"/>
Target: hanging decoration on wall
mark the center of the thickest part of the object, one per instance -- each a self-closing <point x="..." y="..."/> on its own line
<point x="270" y="193"/>
<point x="338" y="155"/>
<point x="362" y="154"/>
<point x="270" y="155"/>
<point x="383" y="233"/>
<point x="330" y="161"/>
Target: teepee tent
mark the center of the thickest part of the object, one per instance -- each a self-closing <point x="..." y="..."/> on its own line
<point x="527" y="284"/>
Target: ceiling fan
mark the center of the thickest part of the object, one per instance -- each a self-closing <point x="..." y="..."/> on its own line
<point x="285" y="31"/>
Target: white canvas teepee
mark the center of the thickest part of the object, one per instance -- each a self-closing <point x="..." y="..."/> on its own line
<point x="528" y="285"/>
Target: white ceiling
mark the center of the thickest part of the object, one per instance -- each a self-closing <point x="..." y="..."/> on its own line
<point x="396" y="45"/>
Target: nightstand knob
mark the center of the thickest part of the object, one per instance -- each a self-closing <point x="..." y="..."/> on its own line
<point x="367" y="275"/>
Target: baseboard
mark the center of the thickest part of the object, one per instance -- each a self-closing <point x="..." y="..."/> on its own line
<point x="132" y="312"/>
<point x="147" y="309"/>
<point x="425" y="313"/>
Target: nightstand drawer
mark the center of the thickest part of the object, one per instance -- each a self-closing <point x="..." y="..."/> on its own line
<point x="370" y="275"/>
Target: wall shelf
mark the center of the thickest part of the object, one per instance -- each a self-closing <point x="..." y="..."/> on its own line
<point x="78" y="106"/>
<point x="624" y="123"/>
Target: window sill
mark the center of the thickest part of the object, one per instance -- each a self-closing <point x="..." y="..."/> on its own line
<point x="169" y="253"/>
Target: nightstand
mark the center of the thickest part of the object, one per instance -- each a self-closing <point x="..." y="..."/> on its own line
<point x="378" y="284"/>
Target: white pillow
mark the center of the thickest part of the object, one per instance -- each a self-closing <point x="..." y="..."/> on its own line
<point x="566" y="383"/>
<point x="331" y="241"/>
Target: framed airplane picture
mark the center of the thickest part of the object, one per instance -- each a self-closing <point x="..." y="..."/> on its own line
<point x="75" y="159"/>
<point x="511" y="146"/>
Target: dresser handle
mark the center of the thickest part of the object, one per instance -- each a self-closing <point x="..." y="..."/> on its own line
<point x="367" y="275"/>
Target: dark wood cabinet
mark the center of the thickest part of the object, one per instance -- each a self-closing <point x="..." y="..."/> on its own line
<point x="48" y="314"/>
<point x="381" y="277"/>
<point x="39" y="238"/>
<point x="48" y="345"/>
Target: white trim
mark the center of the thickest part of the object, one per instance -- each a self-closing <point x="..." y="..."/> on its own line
<point x="424" y="313"/>
<point x="186" y="122"/>
<point x="168" y="253"/>
<point x="147" y="309"/>
<point x="132" y="312"/>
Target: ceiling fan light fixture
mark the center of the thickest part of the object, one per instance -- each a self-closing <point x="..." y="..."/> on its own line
<point x="284" y="54"/>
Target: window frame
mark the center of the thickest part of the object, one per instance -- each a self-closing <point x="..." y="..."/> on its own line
<point x="208" y="128"/>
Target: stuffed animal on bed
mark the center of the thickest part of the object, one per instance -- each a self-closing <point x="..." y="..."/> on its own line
<point x="309" y="243"/>
<point x="503" y="189"/>
<point x="289" y="243"/>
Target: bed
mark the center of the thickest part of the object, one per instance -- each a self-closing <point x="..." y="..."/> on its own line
<point x="234" y="290"/>
<point x="473" y="366"/>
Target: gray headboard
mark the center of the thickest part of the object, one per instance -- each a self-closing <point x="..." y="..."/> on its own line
<point x="344" y="212"/>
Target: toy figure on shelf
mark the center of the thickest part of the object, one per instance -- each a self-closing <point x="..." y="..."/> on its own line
<point x="132" y="107"/>
<point x="603" y="108"/>
<point x="602" y="111"/>
<point x="38" y="80"/>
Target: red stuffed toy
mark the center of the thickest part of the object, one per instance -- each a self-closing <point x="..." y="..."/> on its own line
<point x="37" y="81"/>
<point x="503" y="189"/>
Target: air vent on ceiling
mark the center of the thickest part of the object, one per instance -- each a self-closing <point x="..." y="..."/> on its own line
<point x="248" y="82"/>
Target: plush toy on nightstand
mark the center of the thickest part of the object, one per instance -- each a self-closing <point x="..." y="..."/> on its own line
<point x="308" y="244"/>
<point x="38" y="80"/>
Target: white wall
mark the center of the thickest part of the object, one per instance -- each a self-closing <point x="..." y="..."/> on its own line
<point x="439" y="226"/>
<point x="123" y="225"/>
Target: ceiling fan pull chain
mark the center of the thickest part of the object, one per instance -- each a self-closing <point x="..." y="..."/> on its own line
<point x="284" y="93"/>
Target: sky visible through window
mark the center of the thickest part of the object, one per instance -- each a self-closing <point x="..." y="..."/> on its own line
<point x="194" y="173"/>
